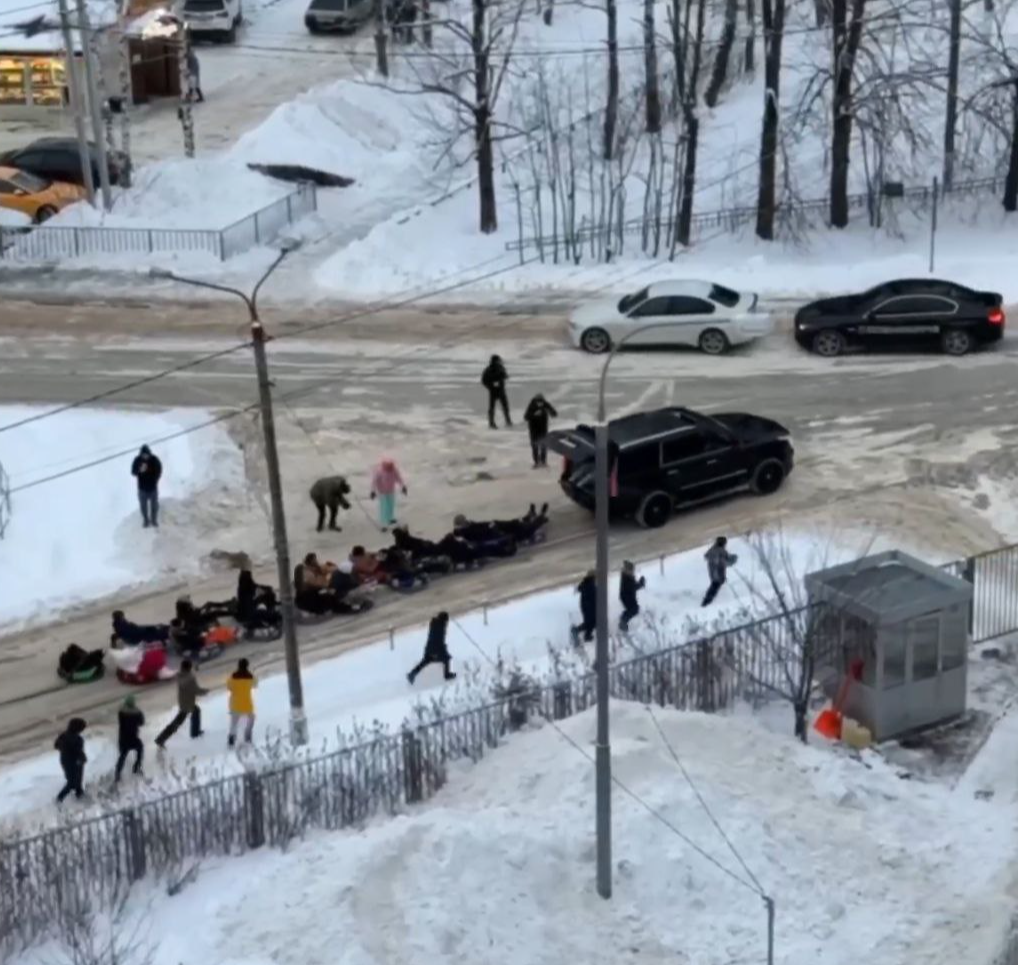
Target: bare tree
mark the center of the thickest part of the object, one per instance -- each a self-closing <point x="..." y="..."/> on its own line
<point x="749" y="57"/>
<point x="951" y="108"/>
<point x="691" y="121"/>
<point x="773" y="15"/>
<point x="653" y="87"/>
<point x="847" y="20"/>
<point x="381" y="39"/>
<point x="611" y="110"/>
<point x="723" y="54"/>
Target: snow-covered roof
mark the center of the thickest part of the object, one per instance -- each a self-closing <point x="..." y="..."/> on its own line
<point x="153" y="24"/>
<point x="101" y="13"/>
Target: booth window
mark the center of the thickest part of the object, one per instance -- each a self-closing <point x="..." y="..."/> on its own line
<point x="924" y="641"/>
<point x="954" y="651"/>
<point x="893" y="644"/>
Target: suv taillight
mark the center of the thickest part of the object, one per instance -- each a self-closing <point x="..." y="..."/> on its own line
<point x="995" y="316"/>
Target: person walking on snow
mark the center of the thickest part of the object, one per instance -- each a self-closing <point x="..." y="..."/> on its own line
<point x="241" y="686"/>
<point x="718" y="560"/>
<point x="147" y="469"/>
<point x="71" y="747"/>
<point x="188" y="692"/>
<point x="435" y="650"/>
<point x="494" y="378"/>
<point x="588" y="608"/>
<point x="536" y="418"/>
<point x="130" y="721"/>
<point x="194" y="76"/>
<point x="628" y="587"/>
<point x="384" y="483"/>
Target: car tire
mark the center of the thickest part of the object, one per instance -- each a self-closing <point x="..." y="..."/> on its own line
<point x="828" y="343"/>
<point x="655" y="510"/>
<point x="956" y="341"/>
<point x="44" y="213"/>
<point x="596" y="341"/>
<point x="713" y="341"/>
<point x="230" y="36"/>
<point x="312" y="26"/>
<point x="768" y="477"/>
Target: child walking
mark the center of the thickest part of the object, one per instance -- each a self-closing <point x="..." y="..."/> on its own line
<point x="384" y="482"/>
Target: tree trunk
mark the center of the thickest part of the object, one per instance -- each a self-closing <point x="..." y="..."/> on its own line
<point x="822" y="11"/>
<point x="1011" y="181"/>
<point x="773" y="15"/>
<point x="381" y="39"/>
<point x="426" y="28"/>
<point x="951" y="112"/>
<point x="684" y="230"/>
<point x="653" y="97"/>
<point x="749" y="58"/>
<point x="611" y="112"/>
<point x="483" y="120"/>
<point x="719" y="73"/>
<point x="801" y="710"/>
<point x="846" y="36"/>
<point x="549" y="13"/>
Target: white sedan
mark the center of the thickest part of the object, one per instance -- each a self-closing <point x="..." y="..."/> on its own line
<point x="695" y="313"/>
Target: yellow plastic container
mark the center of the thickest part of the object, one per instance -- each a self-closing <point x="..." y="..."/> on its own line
<point x="855" y="735"/>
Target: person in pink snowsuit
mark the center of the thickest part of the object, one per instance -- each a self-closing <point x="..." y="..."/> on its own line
<point x="384" y="482"/>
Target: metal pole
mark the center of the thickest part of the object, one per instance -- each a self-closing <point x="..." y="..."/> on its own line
<point x="769" y="902"/>
<point x="933" y="225"/>
<point x="602" y="760"/>
<point x="74" y="88"/>
<point x="298" y="721"/>
<point x="93" y="104"/>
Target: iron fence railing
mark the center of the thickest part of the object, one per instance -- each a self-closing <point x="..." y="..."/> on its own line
<point x="5" y="500"/>
<point x="731" y="219"/>
<point x="59" y="242"/>
<point x="71" y="867"/>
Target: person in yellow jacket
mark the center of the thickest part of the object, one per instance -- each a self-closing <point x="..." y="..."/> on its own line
<point x="241" y="686"/>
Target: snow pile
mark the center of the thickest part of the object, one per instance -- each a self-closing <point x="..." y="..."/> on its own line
<point x="9" y="218"/>
<point x="499" y="867"/>
<point x="366" y="688"/>
<point x="79" y="537"/>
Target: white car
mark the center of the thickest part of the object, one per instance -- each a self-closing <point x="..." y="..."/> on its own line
<point x="696" y="313"/>
<point x="218" y="17"/>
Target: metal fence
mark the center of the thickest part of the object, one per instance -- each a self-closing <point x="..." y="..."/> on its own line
<point x="5" y="500"/>
<point x="57" y="242"/>
<point x="732" y="219"/>
<point x="66" y="869"/>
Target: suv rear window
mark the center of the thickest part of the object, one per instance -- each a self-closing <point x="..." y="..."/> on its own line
<point x="639" y="460"/>
<point x="205" y="6"/>
<point x="333" y="6"/>
<point x="724" y="296"/>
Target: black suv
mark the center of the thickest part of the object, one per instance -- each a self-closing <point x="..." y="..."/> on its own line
<point x="671" y="458"/>
<point x="58" y="159"/>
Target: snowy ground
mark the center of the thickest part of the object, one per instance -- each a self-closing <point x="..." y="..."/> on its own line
<point x="499" y="867"/>
<point x="80" y="538"/>
<point x="366" y="687"/>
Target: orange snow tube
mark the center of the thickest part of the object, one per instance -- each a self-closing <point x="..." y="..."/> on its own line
<point x="223" y="636"/>
<point x="828" y="722"/>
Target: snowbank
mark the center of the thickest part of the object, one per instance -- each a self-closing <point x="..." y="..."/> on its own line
<point x="499" y="867"/>
<point x="366" y="687"/>
<point x="79" y="537"/>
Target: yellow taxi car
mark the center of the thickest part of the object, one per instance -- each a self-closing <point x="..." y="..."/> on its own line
<point x="35" y="196"/>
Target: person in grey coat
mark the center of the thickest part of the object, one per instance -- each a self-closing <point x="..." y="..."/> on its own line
<point x="718" y="560"/>
<point x="188" y="692"/>
<point x="330" y="493"/>
<point x="194" y="72"/>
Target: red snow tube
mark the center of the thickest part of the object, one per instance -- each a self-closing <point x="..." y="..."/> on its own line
<point x="153" y="662"/>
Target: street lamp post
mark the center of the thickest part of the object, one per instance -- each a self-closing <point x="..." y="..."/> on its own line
<point x="298" y="719"/>
<point x="602" y="756"/>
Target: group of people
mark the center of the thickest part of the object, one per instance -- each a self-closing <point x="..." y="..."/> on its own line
<point x="718" y="561"/>
<point x="70" y="743"/>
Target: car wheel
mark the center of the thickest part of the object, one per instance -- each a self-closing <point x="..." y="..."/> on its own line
<point x="713" y="341"/>
<point x="596" y="341"/>
<point x="230" y="36"/>
<point x="44" y="213"/>
<point x="655" y="510"/>
<point x="312" y="26"/>
<point x="768" y="477"/>
<point x="828" y="343"/>
<point x="956" y="341"/>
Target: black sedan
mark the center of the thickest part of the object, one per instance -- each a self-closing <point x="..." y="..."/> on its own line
<point x="920" y="312"/>
<point x="58" y="159"/>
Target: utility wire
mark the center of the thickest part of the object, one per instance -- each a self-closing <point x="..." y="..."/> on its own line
<point x="649" y="808"/>
<point x="703" y="803"/>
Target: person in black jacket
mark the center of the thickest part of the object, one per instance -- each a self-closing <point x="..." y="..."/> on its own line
<point x="588" y="608"/>
<point x="718" y="560"/>
<point x="71" y="747"/>
<point x="435" y="650"/>
<point x="130" y="721"/>
<point x="494" y="378"/>
<point x="628" y="587"/>
<point x="147" y="469"/>
<point x="536" y="418"/>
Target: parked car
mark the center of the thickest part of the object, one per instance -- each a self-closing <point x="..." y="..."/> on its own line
<point x="57" y="158"/>
<point x="671" y="458"/>
<point x="337" y="16"/>
<point x="695" y="313"/>
<point x="218" y="18"/>
<point x="911" y="312"/>
<point x="34" y="196"/>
